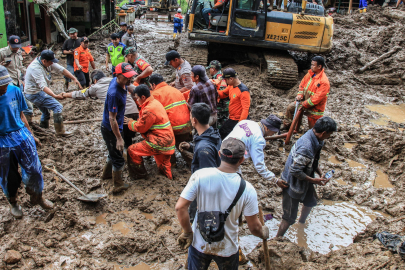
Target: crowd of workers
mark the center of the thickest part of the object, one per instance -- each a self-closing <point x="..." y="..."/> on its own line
<point x="136" y="100"/>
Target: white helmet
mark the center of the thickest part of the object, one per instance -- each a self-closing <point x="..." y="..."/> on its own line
<point x="179" y="10"/>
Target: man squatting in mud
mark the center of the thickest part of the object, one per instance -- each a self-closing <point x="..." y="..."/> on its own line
<point x="17" y="146"/>
<point x="299" y="172"/>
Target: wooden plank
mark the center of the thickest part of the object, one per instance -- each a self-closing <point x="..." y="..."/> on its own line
<point x="350" y="6"/>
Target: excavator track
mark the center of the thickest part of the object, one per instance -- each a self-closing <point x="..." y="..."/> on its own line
<point x="196" y="52"/>
<point x="282" y="71"/>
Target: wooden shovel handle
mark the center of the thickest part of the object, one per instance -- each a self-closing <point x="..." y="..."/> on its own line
<point x="265" y="247"/>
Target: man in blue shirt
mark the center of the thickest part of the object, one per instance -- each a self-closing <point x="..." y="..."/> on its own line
<point x="112" y="125"/>
<point x="17" y="146"/>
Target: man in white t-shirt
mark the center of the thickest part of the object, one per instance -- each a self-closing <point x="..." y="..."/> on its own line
<point x="215" y="189"/>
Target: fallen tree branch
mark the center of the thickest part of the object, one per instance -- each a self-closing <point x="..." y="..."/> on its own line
<point x="385" y="55"/>
<point x="82" y="121"/>
<point x="397" y="219"/>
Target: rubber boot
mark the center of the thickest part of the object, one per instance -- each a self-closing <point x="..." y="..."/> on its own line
<point x="59" y="127"/>
<point x="174" y="36"/>
<point x="136" y="171"/>
<point x="107" y="170"/>
<point x="15" y="209"/>
<point x="44" y="124"/>
<point x="38" y="199"/>
<point x="119" y="184"/>
<point x="29" y="118"/>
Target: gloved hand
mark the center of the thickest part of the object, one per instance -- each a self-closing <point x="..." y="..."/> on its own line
<point x="185" y="240"/>
<point x="266" y="232"/>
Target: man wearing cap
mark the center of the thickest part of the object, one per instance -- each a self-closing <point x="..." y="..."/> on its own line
<point x="140" y="65"/>
<point x="115" y="51"/>
<point x="239" y="103"/>
<point x="12" y="59"/>
<point x="299" y="172"/>
<point x="17" y="146"/>
<point x="112" y="125"/>
<point x="203" y="91"/>
<point x="82" y="58"/>
<point x="223" y="104"/>
<point x="123" y="26"/>
<point x="128" y="39"/>
<point x="215" y="189"/>
<point x="253" y="135"/>
<point x="155" y="127"/>
<point x="98" y="90"/>
<point x="183" y="80"/>
<point x="177" y="23"/>
<point x="37" y="81"/>
<point x="68" y="48"/>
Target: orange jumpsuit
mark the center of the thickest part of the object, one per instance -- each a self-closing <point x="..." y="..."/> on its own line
<point x="176" y="107"/>
<point x="315" y="91"/>
<point x="154" y="126"/>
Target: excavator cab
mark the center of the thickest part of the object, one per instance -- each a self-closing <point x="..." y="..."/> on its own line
<point x="267" y="29"/>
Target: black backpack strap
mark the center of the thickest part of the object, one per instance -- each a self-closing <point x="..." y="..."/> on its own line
<point x="241" y="189"/>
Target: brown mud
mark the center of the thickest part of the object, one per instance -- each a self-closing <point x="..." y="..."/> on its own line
<point x="138" y="229"/>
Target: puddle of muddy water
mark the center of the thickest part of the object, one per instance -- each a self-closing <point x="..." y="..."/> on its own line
<point x="349" y="145"/>
<point x="355" y="164"/>
<point x="147" y="216"/>
<point x="122" y="227"/>
<point x="329" y="223"/>
<point x="101" y="219"/>
<point x="395" y="113"/>
<point x="381" y="180"/>
<point x="334" y="160"/>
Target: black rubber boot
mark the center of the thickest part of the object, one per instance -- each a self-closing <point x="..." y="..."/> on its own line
<point x="59" y="127"/>
<point x="44" y="124"/>
<point x="119" y="184"/>
<point x="107" y="171"/>
<point x="15" y="209"/>
<point x="136" y="171"/>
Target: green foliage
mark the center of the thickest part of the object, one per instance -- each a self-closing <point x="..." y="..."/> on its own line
<point x="123" y="2"/>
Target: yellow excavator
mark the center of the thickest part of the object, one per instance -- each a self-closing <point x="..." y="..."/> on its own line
<point x="154" y="8"/>
<point x="257" y="31"/>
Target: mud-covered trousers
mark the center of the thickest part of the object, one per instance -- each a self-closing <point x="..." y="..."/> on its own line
<point x="362" y="4"/>
<point x="201" y="261"/>
<point x="142" y="149"/>
<point x="114" y="155"/>
<point x="18" y="147"/>
<point x="45" y="103"/>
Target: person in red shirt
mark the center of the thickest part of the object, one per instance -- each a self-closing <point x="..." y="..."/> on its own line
<point x="239" y="103"/>
<point x="82" y="58"/>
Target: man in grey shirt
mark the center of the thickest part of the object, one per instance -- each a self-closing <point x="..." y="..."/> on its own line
<point x="11" y="58"/>
<point x="98" y="90"/>
<point x="37" y="89"/>
<point x="183" y="80"/>
<point x="128" y="38"/>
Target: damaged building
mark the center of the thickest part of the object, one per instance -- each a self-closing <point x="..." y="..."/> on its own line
<point x="46" y="21"/>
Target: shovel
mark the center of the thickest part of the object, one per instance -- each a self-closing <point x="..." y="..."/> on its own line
<point x="85" y="197"/>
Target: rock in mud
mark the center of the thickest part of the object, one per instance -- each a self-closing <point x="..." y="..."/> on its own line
<point x="12" y="256"/>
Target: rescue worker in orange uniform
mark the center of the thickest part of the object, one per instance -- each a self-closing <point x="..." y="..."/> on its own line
<point x="82" y="58"/>
<point x="154" y="126"/>
<point x="176" y="108"/>
<point x="239" y="103"/>
<point x="313" y="91"/>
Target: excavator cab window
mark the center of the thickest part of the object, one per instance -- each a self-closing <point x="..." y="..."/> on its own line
<point x="248" y="19"/>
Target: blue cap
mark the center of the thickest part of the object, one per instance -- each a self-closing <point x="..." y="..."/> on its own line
<point x="49" y="55"/>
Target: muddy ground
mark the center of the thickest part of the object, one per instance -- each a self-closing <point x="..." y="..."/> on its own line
<point x="140" y="225"/>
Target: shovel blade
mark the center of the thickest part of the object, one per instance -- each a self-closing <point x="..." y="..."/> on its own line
<point x="91" y="197"/>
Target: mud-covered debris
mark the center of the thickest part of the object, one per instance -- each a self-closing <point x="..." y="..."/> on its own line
<point x="12" y="256"/>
